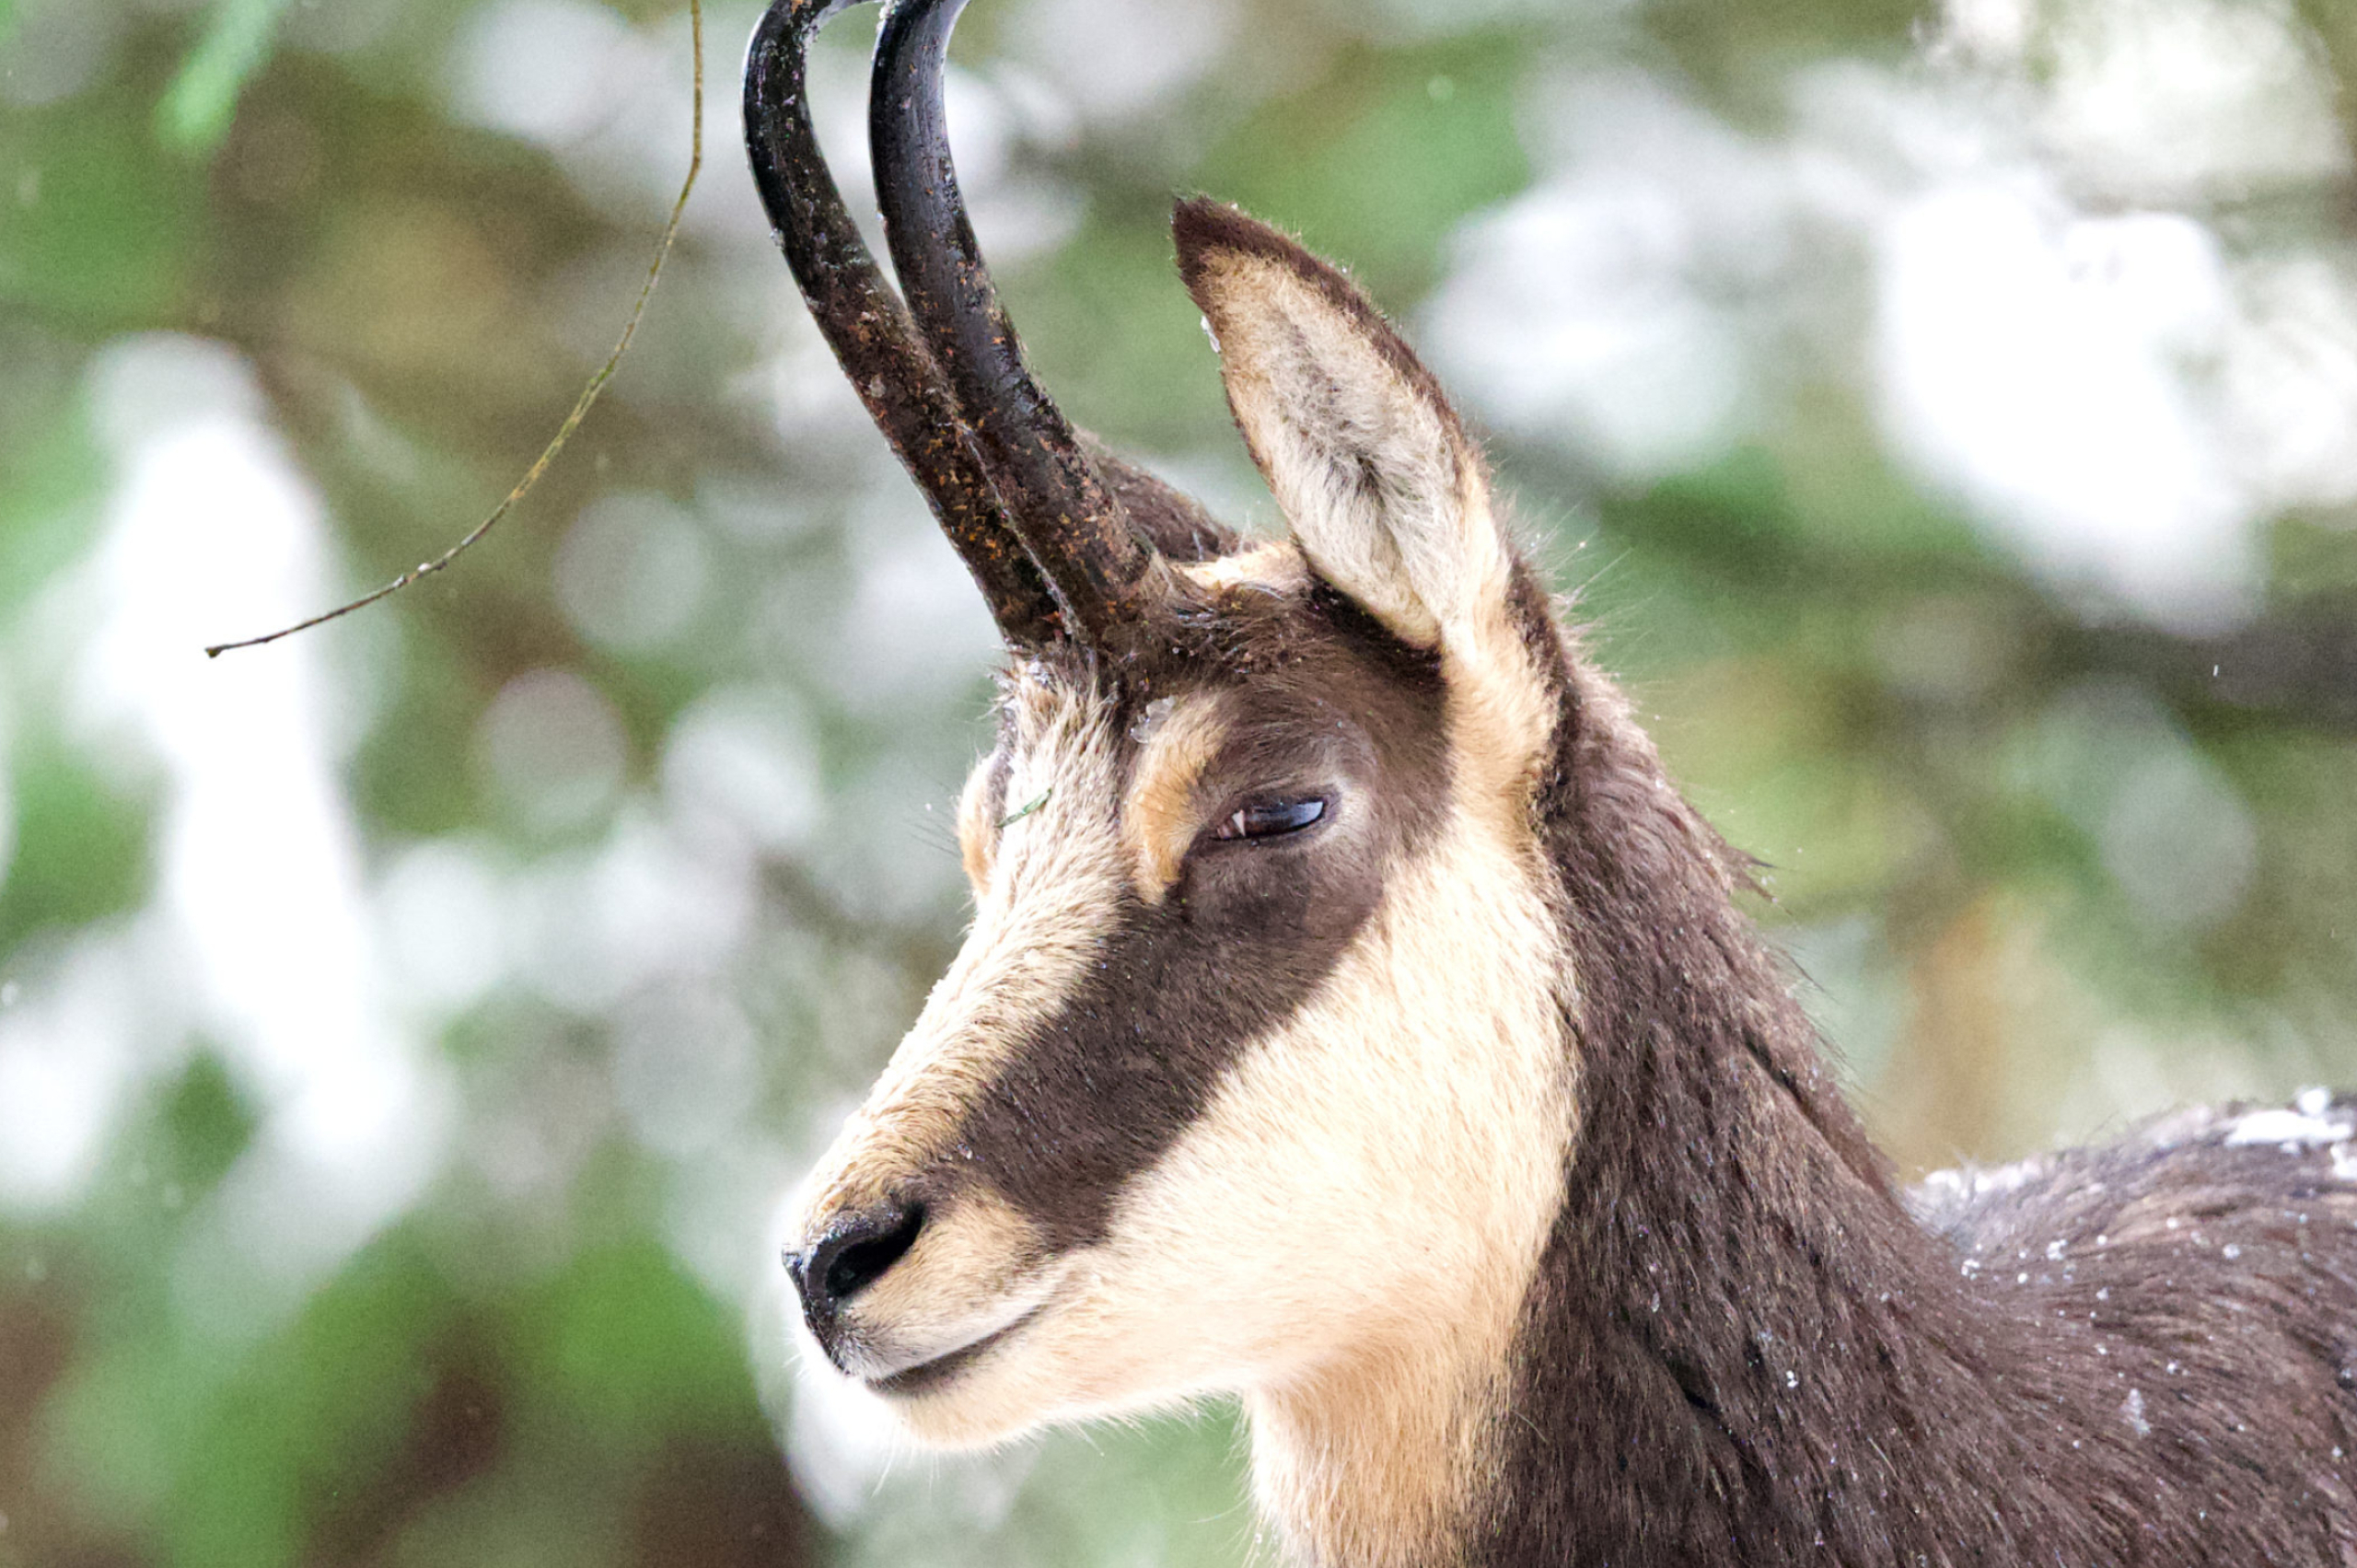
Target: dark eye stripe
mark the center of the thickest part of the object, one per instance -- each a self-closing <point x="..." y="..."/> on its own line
<point x="1271" y="818"/>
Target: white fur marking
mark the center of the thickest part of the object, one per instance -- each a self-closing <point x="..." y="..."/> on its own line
<point x="2293" y="1129"/>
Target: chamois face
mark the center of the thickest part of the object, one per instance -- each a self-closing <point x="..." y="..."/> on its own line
<point x="1251" y="1073"/>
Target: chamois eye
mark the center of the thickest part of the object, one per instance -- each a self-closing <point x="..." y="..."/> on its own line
<point x="1270" y="818"/>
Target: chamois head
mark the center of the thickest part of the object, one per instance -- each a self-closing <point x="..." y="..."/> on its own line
<point x="1250" y="1075"/>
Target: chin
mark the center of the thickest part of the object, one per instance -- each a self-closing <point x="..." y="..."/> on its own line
<point x="985" y="1402"/>
<point x="1006" y="1392"/>
<point x="964" y="1418"/>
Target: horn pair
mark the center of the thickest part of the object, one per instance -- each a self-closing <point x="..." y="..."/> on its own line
<point x="942" y="374"/>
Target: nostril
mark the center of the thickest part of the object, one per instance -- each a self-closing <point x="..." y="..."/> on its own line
<point x="859" y="1263"/>
<point x="853" y="1255"/>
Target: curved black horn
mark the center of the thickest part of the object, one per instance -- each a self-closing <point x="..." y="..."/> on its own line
<point x="1106" y="575"/>
<point x="865" y="322"/>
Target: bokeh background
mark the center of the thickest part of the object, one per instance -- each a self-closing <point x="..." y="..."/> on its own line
<point x="1945" y="413"/>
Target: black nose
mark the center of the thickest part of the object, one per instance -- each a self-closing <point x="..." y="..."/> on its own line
<point x="850" y="1254"/>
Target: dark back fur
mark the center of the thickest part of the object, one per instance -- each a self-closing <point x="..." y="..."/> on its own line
<point x="1743" y="1347"/>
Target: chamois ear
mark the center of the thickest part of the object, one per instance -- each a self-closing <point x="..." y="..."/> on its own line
<point x="1385" y="493"/>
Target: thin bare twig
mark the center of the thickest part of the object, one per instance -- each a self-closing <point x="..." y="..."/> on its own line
<point x="580" y="407"/>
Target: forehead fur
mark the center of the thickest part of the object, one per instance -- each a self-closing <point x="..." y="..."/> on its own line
<point x="1274" y="566"/>
<point x="1258" y="623"/>
<point x="1179" y="745"/>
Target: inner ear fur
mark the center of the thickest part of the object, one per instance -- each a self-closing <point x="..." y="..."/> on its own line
<point x="1386" y="496"/>
<point x="1384" y="490"/>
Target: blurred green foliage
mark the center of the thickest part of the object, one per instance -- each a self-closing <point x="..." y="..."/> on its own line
<point x="564" y="1346"/>
<point x="195" y="112"/>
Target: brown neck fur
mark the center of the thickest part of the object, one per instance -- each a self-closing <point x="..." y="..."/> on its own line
<point x="1741" y="1349"/>
<point x="1735" y="1316"/>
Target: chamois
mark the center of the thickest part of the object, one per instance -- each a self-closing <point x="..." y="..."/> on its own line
<point x="1356" y="1020"/>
